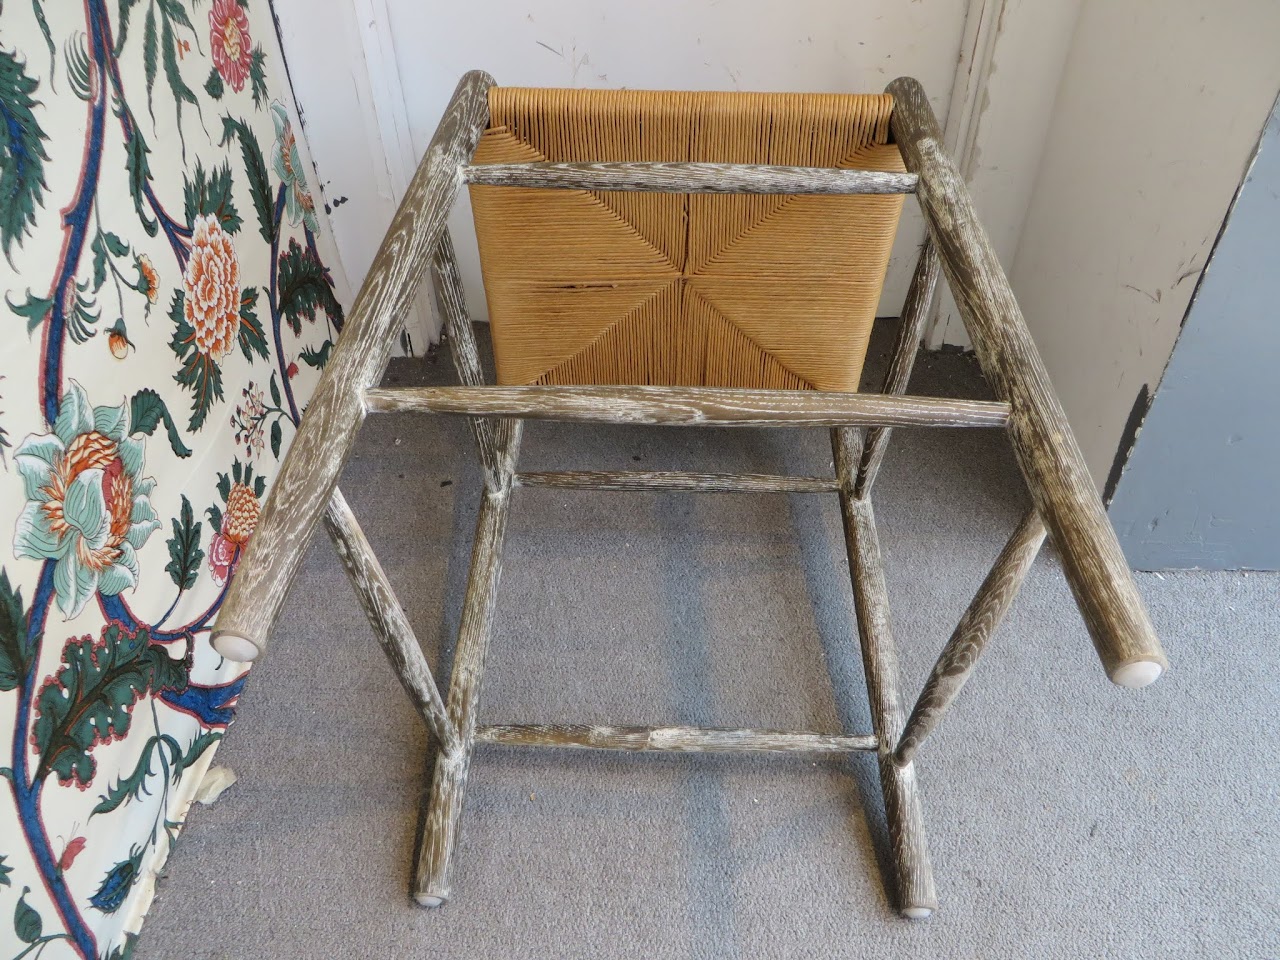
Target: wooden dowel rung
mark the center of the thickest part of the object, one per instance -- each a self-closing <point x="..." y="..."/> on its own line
<point x="671" y="739"/>
<point x="691" y="406"/>
<point x="388" y="620"/>
<point x="959" y="657"/>
<point x="915" y="312"/>
<point x="639" y="480"/>
<point x="689" y="178"/>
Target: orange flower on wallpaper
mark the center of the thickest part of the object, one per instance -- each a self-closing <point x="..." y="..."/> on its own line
<point x="242" y="514"/>
<point x="230" y="42"/>
<point x="148" y="278"/>
<point x="238" y="524"/>
<point x="211" y="288"/>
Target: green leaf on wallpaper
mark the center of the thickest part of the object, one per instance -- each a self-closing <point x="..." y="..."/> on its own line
<point x="122" y="30"/>
<point x="27" y="924"/>
<point x="169" y="55"/>
<point x="202" y="376"/>
<point x="184" y="548"/>
<point x="4" y="873"/>
<point x="317" y="358"/>
<point x="83" y="315"/>
<point x="275" y="391"/>
<point x="174" y="10"/>
<point x="209" y="194"/>
<point x="134" y="785"/>
<point x="224" y="486"/>
<point x="115" y="246"/>
<point x="22" y="154"/>
<point x="105" y="243"/>
<point x="90" y="699"/>
<point x="252" y="338"/>
<point x="136" y="151"/>
<point x="198" y="372"/>
<point x="32" y="307"/>
<point x="178" y="761"/>
<point x="150" y="58"/>
<point x="79" y="67"/>
<point x="37" y="7"/>
<point x="16" y="649"/>
<point x="147" y="410"/>
<point x="304" y="285"/>
<point x="213" y="86"/>
<point x="258" y="76"/>
<point x="255" y="169"/>
<point x="123" y="951"/>
<point x="277" y="435"/>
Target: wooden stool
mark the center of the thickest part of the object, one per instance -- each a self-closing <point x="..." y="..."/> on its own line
<point x="692" y="260"/>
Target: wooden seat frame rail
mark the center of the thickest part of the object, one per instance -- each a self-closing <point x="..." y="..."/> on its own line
<point x="1065" y="502"/>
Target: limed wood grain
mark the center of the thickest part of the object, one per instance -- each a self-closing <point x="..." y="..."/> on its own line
<point x="654" y="480"/>
<point x="691" y="406"/>
<point x="959" y="657"/>
<point x="689" y="178"/>
<point x="671" y="739"/>
<point x="915" y="313"/>
<point x="448" y="785"/>
<point x="913" y="872"/>
<point x="300" y="493"/>
<point x="494" y="438"/>
<point x="1046" y="450"/>
<point x="387" y="617"/>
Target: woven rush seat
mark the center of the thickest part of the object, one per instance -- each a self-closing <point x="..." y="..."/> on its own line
<point x="746" y="290"/>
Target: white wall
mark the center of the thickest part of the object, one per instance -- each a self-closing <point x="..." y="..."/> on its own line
<point x="1158" y="112"/>
<point x="999" y="149"/>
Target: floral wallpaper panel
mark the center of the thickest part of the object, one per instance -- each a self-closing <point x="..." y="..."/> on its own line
<point x="166" y="313"/>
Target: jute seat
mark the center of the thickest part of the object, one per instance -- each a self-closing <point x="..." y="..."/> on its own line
<point x="695" y="260"/>
<point x="683" y="289"/>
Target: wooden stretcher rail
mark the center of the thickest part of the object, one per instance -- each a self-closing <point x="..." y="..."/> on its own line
<point x="672" y="739"/>
<point x="1046" y="451"/>
<point x="387" y="617"/>
<point x="644" y="480"/>
<point x="689" y="178"/>
<point x="324" y="439"/>
<point x="915" y="313"/>
<point x="961" y="654"/>
<point x="691" y="406"/>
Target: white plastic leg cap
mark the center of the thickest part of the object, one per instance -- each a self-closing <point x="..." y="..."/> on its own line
<point x="235" y="648"/>
<point x="1139" y="674"/>
<point x="916" y="913"/>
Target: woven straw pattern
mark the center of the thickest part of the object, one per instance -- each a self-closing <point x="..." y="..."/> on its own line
<point x="675" y="289"/>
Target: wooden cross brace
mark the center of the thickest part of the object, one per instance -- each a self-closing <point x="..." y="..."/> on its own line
<point x="1065" y="502"/>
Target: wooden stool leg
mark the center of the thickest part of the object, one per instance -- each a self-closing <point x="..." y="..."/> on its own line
<point x="390" y="625"/>
<point x="913" y="873"/>
<point x="444" y="806"/>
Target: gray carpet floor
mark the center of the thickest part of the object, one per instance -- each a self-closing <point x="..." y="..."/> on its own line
<point x="1066" y="817"/>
